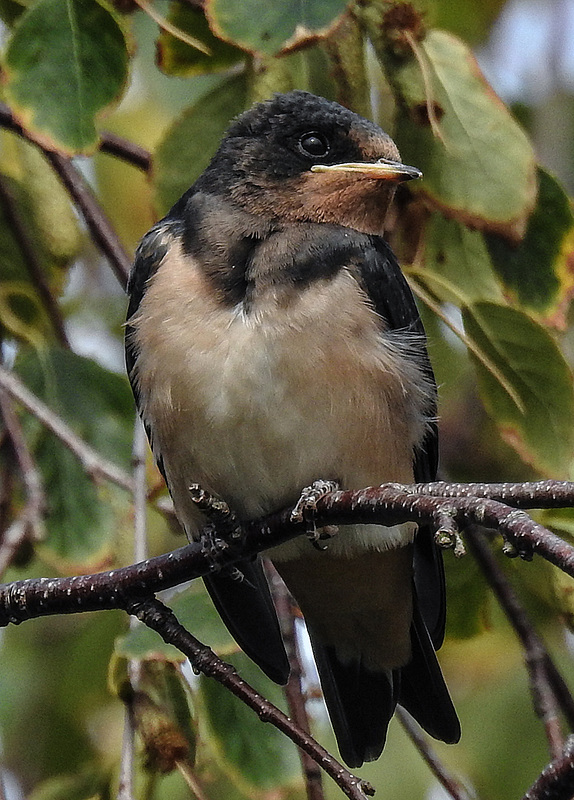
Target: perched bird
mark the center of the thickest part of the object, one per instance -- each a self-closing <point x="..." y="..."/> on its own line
<point x="273" y="341"/>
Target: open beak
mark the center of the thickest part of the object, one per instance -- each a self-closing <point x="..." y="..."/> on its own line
<point x="383" y="169"/>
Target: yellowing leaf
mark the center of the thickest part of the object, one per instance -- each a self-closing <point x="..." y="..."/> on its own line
<point x="266" y="27"/>
<point x="539" y="272"/>
<point x="478" y="165"/>
<point x="65" y="62"/>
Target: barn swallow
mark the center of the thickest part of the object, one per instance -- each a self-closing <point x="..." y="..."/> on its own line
<point x="273" y="341"/>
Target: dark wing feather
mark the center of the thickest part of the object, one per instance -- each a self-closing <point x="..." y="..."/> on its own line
<point x="392" y="298"/>
<point x="423" y="691"/>
<point x="244" y="605"/>
<point x="246" y="608"/>
<point x="419" y="686"/>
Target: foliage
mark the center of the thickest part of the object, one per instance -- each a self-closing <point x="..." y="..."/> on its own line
<point x="486" y="239"/>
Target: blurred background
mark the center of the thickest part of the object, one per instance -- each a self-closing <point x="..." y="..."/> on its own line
<point x="61" y="724"/>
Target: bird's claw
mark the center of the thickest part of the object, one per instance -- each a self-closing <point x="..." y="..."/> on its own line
<point x="222" y="527"/>
<point x="306" y="508"/>
<point x="212" y="546"/>
<point x="217" y="511"/>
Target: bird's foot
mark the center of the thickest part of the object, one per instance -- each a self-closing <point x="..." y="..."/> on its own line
<point x="217" y="512"/>
<point x="306" y="508"/>
<point x="222" y="528"/>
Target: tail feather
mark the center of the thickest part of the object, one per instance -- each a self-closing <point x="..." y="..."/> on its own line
<point x="423" y="692"/>
<point x="360" y="703"/>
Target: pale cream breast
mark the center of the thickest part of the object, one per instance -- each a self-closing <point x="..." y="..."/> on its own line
<point x="256" y="405"/>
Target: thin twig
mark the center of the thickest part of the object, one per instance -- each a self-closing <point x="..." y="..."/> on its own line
<point x="2" y="784"/>
<point x="29" y="525"/>
<point x="125" y="786"/>
<point x="126" y="776"/>
<point x="448" y="781"/>
<point x="93" y="463"/>
<point x="98" y="224"/>
<point x="537" y="658"/>
<point x="173" y="30"/>
<point x="96" y="220"/>
<point x="30" y="259"/>
<point x="161" y="619"/>
<point x="140" y="491"/>
<point x="128" y="151"/>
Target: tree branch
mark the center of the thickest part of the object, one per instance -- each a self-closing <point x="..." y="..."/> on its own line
<point x="131" y="588"/>
<point x="389" y="504"/>
<point x="96" y="220"/>
<point x="93" y="463"/>
<point x="161" y="619"/>
<point x="532" y="494"/>
<point x="556" y="782"/>
<point x="541" y="669"/>
<point x="35" y="271"/>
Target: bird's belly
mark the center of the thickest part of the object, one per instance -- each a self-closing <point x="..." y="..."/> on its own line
<point x="256" y="406"/>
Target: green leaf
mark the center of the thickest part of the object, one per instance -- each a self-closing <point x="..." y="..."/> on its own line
<point x="478" y="165"/>
<point x="53" y="214"/>
<point x="80" y="517"/>
<point x="266" y="28"/>
<point x="175" y="57"/>
<point x="37" y="226"/>
<point x="542" y="431"/>
<point x="86" y="785"/>
<point x="194" y="609"/>
<point x="468" y="595"/>
<point x="65" y="62"/>
<point x="255" y="755"/>
<point x="192" y="140"/>
<point x="98" y="405"/>
<point x="457" y="266"/>
<point x="538" y="271"/>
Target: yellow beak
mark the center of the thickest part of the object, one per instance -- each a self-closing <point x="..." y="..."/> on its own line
<point x="382" y="170"/>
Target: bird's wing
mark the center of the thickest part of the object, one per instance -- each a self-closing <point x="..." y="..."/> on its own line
<point x="423" y="691"/>
<point x="393" y="300"/>
<point x="361" y="702"/>
<point x="242" y="598"/>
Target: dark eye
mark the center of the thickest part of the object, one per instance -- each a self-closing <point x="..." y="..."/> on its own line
<point x="314" y="144"/>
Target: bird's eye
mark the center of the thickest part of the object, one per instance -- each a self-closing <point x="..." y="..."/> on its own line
<point x="314" y="144"/>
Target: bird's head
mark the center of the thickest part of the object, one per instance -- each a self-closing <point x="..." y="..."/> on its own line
<point x="302" y="158"/>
